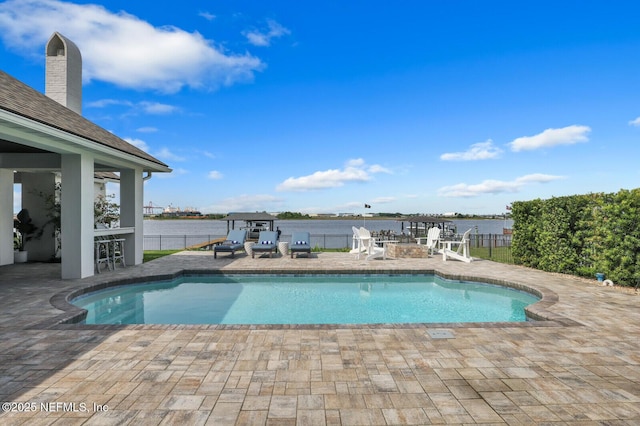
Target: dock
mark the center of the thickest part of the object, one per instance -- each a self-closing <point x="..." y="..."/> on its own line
<point x="207" y="245"/>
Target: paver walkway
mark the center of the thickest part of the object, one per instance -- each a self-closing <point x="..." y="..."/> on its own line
<point x="581" y="367"/>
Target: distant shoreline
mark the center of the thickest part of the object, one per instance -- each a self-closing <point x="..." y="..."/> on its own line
<point x="206" y="217"/>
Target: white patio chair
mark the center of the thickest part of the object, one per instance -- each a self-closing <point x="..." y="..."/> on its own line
<point x="432" y="239"/>
<point x="462" y="253"/>
<point x="357" y="245"/>
<point x="372" y="250"/>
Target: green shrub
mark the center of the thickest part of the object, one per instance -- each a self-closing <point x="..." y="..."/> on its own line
<point x="580" y="235"/>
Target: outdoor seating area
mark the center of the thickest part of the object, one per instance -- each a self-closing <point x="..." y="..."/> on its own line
<point x="580" y="366"/>
<point x="268" y="243"/>
<point x="365" y="245"/>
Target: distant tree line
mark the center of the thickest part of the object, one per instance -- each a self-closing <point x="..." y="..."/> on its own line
<point x="292" y="216"/>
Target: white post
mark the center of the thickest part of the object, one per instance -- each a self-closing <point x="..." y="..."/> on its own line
<point x="6" y="217"/>
<point x="132" y="213"/>
<point x="77" y="216"/>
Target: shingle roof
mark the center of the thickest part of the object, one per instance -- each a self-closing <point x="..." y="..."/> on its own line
<point x="20" y="99"/>
<point x="106" y="175"/>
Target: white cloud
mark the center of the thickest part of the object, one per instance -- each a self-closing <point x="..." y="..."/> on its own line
<point x="478" y="151"/>
<point x="537" y="178"/>
<point x="355" y="170"/>
<point x="494" y="186"/>
<point x="174" y="173"/>
<point x="263" y="38"/>
<point x="214" y="174"/>
<point x="383" y="200"/>
<point x="166" y="154"/>
<point x="163" y="153"/>
<point x="635" y="122"/>
<point x="376" y="168"/>
<point x="156" y="108"/>
<point x="147" y="129"/>
<point x="324" y="179"/>
<point x="551" y="137"/>
<point x="103" y="103"/>
<point x="146" y="107"/>
<point x="122" y="49"/>
<point x="138" y="143"/>
<point x="208" y="16"/>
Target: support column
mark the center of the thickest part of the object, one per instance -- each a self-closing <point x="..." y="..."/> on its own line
<point x="132" y="213"/>
<point x="6" y="217"/>
<point x="77" y="216"/>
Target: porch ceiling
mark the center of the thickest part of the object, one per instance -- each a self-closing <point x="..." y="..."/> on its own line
<point x="23" y="141"/>
<point x="7" y="147"/>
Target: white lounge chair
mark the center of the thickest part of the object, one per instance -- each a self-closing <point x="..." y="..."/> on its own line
<point x="432" y="238"/>
<point x="267" y="243"/>
<point x="234" y="242"/>
<point x="462" y="253"/>
<point x="300" y="243"/>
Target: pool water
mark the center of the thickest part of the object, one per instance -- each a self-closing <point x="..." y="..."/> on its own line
<point x="309" y="299"/>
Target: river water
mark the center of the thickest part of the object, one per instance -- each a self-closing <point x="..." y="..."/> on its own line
<point x="334" y="233"/>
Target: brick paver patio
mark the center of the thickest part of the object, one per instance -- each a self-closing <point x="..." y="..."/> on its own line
<point x="580" y="366"/>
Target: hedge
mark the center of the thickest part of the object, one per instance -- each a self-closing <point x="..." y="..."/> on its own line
<point x="580" y="235"/>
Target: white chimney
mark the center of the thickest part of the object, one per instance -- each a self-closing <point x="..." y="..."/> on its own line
<point x="63" y="72"/>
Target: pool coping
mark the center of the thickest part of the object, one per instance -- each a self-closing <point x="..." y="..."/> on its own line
<point x="538" y="314"/>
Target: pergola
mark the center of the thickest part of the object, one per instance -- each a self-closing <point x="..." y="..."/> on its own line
<point x="39" y="136"/>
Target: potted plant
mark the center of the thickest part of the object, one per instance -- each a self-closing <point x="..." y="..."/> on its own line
<point x="25" y="230"/>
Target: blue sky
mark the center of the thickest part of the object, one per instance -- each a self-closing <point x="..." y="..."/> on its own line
<point x="319" y="107"/>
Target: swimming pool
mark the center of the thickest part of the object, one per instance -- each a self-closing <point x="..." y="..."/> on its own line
<point x="308" y="299"/>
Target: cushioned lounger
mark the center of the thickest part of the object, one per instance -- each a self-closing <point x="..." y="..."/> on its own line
<point x="234" y="241"/>
<point x="267" y="243"/>
<point x="300" y="243"/>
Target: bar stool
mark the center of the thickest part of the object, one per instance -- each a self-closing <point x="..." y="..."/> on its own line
<point x="102" y="253"/>
<point x="117" y="252"/>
